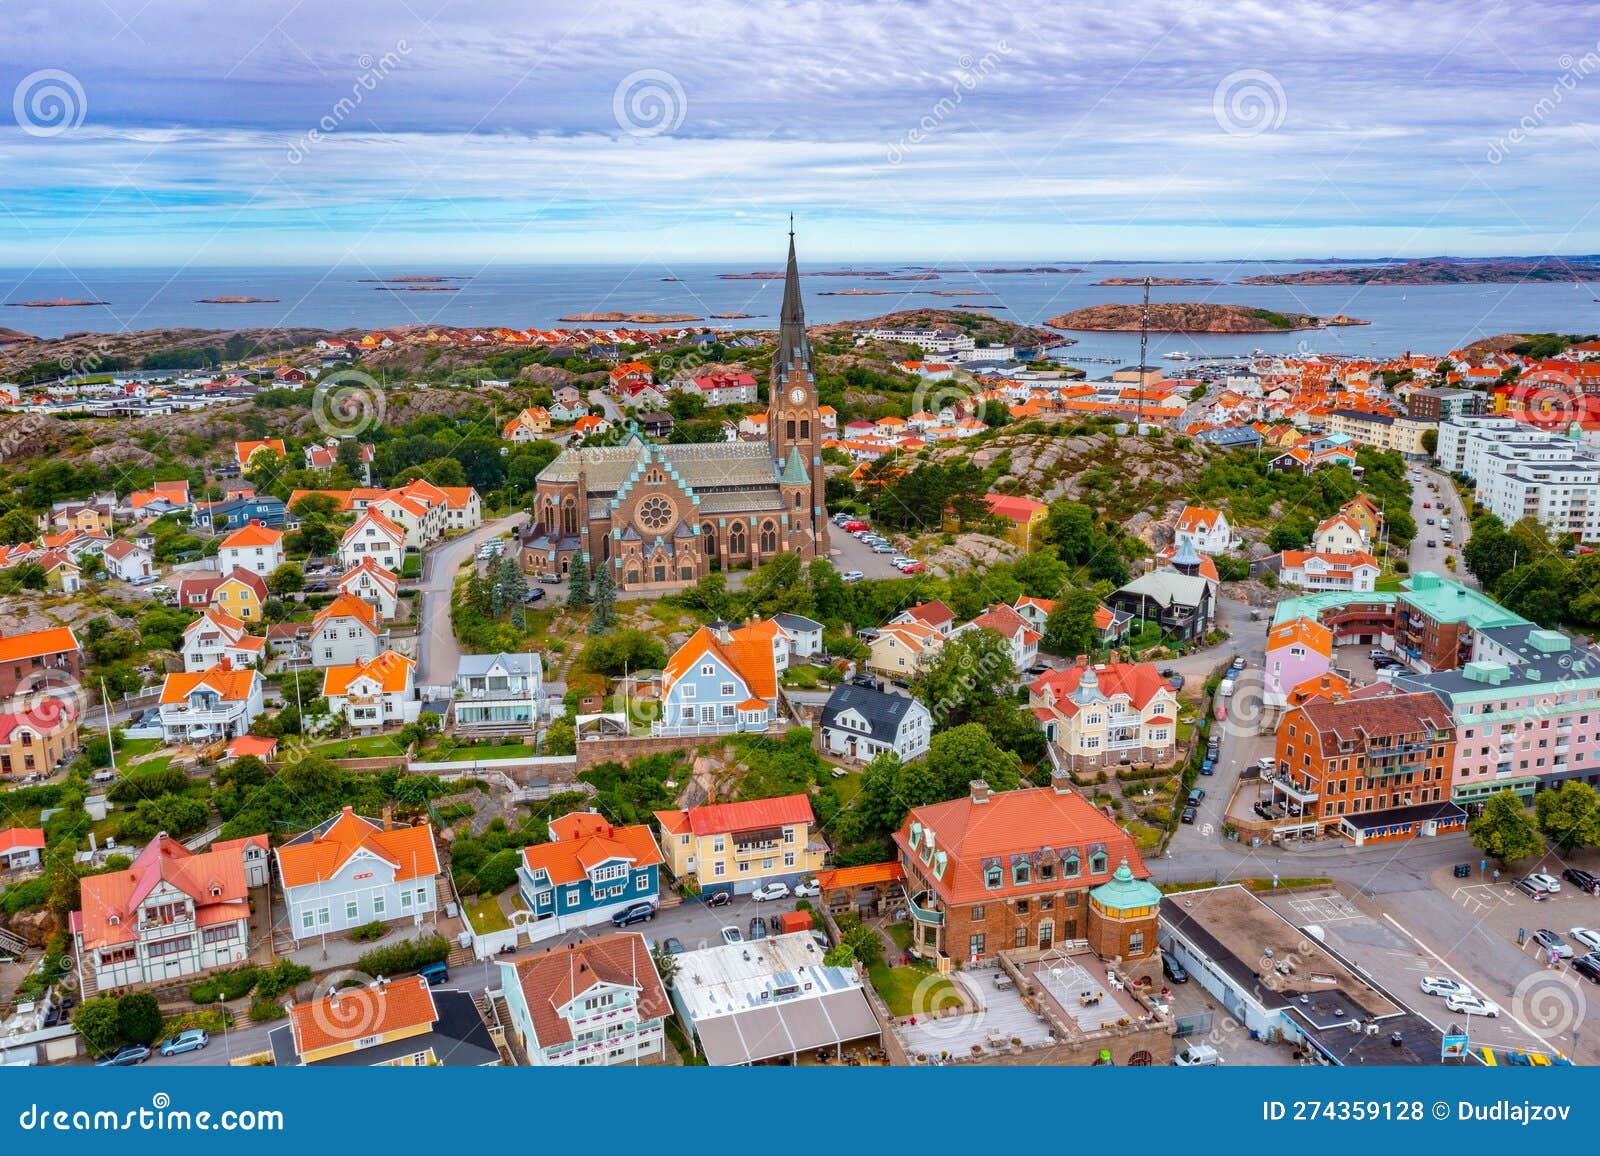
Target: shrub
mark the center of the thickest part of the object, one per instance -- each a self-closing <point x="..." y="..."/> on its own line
<point x="226" y="985"/>
<point x="137" y="784"/>
<point x="280" y="978"/>
<point x="408" y="955"/>
<point x="498" y="872"/>
<point x="139" y="1017"/>
<point x="366" y="931"/>
<point x="265" y="1010"/>
<point x="33" y="893"/>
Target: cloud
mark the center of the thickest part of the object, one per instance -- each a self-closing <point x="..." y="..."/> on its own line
<point x="891" y="124"/>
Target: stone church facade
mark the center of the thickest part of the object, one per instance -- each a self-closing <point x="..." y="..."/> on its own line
<point x="662" y="516"/>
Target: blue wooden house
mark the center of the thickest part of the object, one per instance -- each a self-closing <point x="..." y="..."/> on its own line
<point x="263" y="508"/>
<point x="587" y="873"/>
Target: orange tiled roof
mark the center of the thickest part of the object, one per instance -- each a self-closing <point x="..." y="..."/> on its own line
<point x="583" y="840"/>
<point x="555" y="977"/>
<point x="1307" y="632"/>
<point x="347" y="605"/>
<point x="391" y="670"/>
<point x="746" y="653"/>
<point x="253" y="534"/>
<point x="38" y="643"/>
<point x="109" y="903"/>
<point x="319" y="853"/>
<point x="231" y="684"/>
<point x="1017" y="823"/>
<point x="355" y="1013"/>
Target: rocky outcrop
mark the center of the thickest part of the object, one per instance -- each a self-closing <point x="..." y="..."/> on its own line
<point x="1187" y="317"/>
<point x="33" y="927"/>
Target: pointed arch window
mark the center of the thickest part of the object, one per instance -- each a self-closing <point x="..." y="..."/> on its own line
<point x="769" y="538"/>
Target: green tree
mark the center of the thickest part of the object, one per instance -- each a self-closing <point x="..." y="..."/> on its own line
<point x="666" y="964"/>
<point x="510" y="583"/>
<point x="1489" y="553"/>
<point x="578" y="582"/>
<point x="98" y="1022"/>
<point x="605" y="601"/>
<point x="287" y="579"/>
<point x="1504" y="830"/>
<point x="1070" y="628"/>
<point x="971" y="671"/>
<point x="958" y="756"/>
<point x="139" y="1018"/>
<point x="16" y="527"/>
<point x="1569" y="816"/>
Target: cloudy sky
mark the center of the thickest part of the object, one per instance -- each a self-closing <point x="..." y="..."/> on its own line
<point x="186" y="131"/>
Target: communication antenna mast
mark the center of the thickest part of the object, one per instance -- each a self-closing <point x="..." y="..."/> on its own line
<point x="1144" y="343"/>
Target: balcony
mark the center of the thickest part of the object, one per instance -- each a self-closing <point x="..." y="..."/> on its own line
<point x="1301" y="795"/>
<point x="922" y="913"/>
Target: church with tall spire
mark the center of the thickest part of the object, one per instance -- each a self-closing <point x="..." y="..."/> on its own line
<point x="662" y="516"/>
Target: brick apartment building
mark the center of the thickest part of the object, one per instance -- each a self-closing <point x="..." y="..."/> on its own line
<point x="1372" y="768"/>
<point x="1034" y="868"/>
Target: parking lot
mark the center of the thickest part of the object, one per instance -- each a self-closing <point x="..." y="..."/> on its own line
<point x="849" y="553"/>
<point x="1397" y="959"/>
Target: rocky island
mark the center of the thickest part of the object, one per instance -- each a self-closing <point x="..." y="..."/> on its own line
<point x="58" y="303"/>
<point x="1443" y="271"/>
<point x="631" y="318"/>
<point x="1193" y="317"/>
<point x="236" y="301"/>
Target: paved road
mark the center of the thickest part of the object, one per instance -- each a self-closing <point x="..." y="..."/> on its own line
<point x="598" y="399"/>
<point x="1421" y="555"/>
<point x="438" y="652"/>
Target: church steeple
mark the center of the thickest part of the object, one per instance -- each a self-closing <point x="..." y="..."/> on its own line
<point x="792" y="327"/>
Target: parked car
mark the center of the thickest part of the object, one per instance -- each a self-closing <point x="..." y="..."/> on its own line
<point x="1196" y="795"/>
<point x="1208" y="767"/>
<point x="912" y="568"/>
<point x="731" y="935"/>
<point x="673" y="944"/>
<point x="757" y="928"/>
<point x="1238" y="663"/>
<point x="770" y="891"/>
<point x="901" y="560"/>
<point x="1545" y="881"/>
<point x="1167" y="672"/>
<point x="127" y="1057"/>
<point x="719" y="899"/>
<point x="535" y="594"/>
<point x="1038" y="668"/>
<point x="1197" y="1056"/>
<point x="1582" y="880"/>
<point x="882" y="548"/>
<point x="1532" y="890"/>
<point x="189" y="1041"/>
<point x="1588" y="966"/>
<point x="1552" y="942"/>
<point x="434" y="973"/>
<point x="1587" y="936"/>
<point x="807" y="889"/>
<point x="1188" y="815"/>
<point x="1472" y="1005"/>
<point x="851" y="576"/>
<point x="1444" y="985"/>
<point x="641" y="912"/>
<point x="1174" y="970"/>
<point x="855" y="524"/>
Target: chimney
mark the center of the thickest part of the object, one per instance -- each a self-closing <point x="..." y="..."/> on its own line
<point x="1082" y="660"/>
<point x="980" y="791"/>
<point x="388" y="816"/>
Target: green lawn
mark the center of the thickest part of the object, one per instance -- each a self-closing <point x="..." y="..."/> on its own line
<point x="487" y="916"/>
<point x="899" y="987"/>
<point x="483" y="753"/>
<point x="134" y="748"/>
<point x="901" y="934"/>
<point x="365" y="747"/>
<point x="848" y="787"/>
<point x="411" y="566"/>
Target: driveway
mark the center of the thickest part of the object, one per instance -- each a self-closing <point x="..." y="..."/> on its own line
<point x="438" y="652"/>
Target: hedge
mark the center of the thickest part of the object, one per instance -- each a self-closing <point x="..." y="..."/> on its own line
<point x="408" y="955"/>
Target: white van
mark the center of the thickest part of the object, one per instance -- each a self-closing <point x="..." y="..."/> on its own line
<point x="1197" y="1056"/>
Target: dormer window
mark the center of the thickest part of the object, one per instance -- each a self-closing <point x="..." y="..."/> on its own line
<point x="1098" y="863"/>
<point x="1021" y="873"/>
<point x="992" y="877"/>
<point x="1069" y="865"/>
